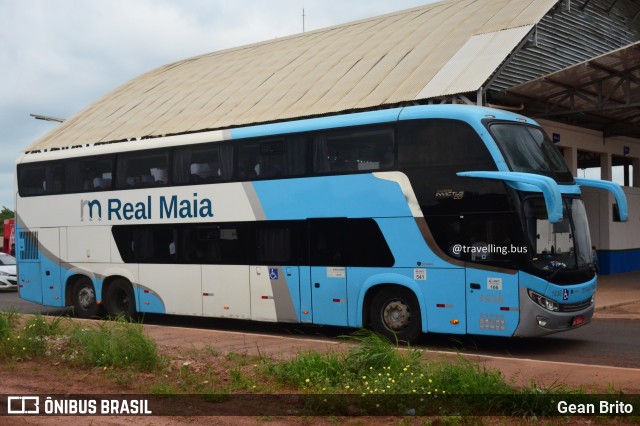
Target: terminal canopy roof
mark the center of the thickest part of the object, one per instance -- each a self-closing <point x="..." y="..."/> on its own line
<point x="435" y="50"/>
<point x="602" y="92"/>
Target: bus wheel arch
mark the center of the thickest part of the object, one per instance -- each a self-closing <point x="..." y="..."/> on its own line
<point x="393" y="311"/>
<point x="119" y="297"/>
<point x="81" y="294"/>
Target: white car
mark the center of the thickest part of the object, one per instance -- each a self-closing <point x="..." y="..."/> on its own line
<point x="8" y="280"/>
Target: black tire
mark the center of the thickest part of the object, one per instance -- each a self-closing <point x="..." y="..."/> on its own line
<point x="395" y="313"/>
<point x="120" y="300"/>
<point x="84" y="299"/>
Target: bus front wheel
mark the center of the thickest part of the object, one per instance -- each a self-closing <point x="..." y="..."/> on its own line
<point x="84" y="299"/>
<point x="395" y="313"/>
<point x="119" y="299"/>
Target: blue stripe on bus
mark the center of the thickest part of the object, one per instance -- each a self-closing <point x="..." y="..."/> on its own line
<point x="322" y="123"/>
<point x="361" y="195"/>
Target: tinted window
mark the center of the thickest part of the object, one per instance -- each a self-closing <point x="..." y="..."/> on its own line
<point x="41" y="178"/>
<point x="331" y="242"/>
<point x="90" y="174"/>
<point x="272" y="158"/>
<point x="146" y="244"/>
<point x="143" y="169"/>
<point x="367" y="245"/>
<point x="348" y="242"/>
<point x="353" y="151"/>
<point x="489" y="237"/>
<point x="275" y="244"/>
<point x="203" y="164"/>
<point x="431" y="152"/>
<point x="327" y="242"/>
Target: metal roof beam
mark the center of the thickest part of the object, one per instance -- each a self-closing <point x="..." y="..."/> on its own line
<point x="612" y="6"/>
<point x="596" y="109"/>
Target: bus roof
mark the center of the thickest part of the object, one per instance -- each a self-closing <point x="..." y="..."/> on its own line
<point x="468" y="113"/>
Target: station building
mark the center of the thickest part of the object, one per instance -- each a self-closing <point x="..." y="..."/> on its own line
<point x="574" y="65"/>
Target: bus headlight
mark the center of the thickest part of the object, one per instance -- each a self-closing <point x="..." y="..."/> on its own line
<point x="548" y="304"/>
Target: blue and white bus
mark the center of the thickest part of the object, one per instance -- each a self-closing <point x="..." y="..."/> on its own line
<point x="446" y="219"/>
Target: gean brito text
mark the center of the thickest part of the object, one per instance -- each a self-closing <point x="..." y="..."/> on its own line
<point x="165" y="207"/>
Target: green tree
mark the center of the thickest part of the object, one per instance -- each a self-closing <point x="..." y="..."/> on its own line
<point x="6" y="213"/>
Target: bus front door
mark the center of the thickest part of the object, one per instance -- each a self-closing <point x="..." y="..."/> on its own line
<point x="328" y="272"/>
<point x="492" y="302"/>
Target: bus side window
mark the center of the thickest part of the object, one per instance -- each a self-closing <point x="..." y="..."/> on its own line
<point x="89" y="174"/>
<point x="274" y="244"/>
<point x="142" y="169"/>
<point x="353" y="151"/>
<point x="39" y="178"/>
<point x="203" y="164"/>
<point x="30" y="179"/>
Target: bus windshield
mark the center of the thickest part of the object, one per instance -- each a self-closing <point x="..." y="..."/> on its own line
<point x="528" y="149"/>
<point x="558" y="246"/>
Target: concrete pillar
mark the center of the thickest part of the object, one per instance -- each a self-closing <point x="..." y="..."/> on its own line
<point x="636" y="173"/>
<point x="605" y="166"/>
<point x="571" y="158"/>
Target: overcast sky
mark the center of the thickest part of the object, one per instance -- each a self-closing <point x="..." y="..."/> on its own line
<point x="57" y="57"/>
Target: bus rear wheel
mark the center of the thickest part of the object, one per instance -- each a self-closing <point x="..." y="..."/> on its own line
<point x="84" y="299"/>
<point x="120" y="300"/>
<point x="395" y="313"/>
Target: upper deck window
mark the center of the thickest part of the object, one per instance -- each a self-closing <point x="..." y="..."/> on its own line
<point x="272" y="158"/>
<point x="203" y="164"/>
<point x="90" y="174"/>
<point x="40" y="178"/>
<point x="143" y="169"/>
<point x="353" y="151"/>
<point x="528" y="149"/>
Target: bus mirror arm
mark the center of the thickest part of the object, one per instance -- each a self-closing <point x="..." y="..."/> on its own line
<point x="614" y="188"/>
<point x="548" y="187"/>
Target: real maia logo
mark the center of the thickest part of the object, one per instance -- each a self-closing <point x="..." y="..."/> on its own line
<point x="166" y="207"/>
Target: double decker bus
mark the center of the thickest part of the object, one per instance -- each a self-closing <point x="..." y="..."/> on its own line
<point x="445" y="218"/>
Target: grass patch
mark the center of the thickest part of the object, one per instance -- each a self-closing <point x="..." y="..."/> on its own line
<point x="375" y="376"/>
<point x="114" y="344"/>
<point x="27" y="339"/>
<point x="108" y="344"/>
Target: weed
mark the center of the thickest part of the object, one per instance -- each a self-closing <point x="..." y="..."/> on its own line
<point x="163" y="389"/>
<point x="30" y="340"/>
<point x="118" y="344"/>
<point x="375" y="351"/>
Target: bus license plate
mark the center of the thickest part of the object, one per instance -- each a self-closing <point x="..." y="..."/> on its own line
<point x="579" y="320"/>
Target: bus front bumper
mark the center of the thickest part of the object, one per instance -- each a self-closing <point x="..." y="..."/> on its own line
<point x="536" y="321"/>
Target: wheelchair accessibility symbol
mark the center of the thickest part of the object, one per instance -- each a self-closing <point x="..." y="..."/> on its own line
<point x="273" y="273"/>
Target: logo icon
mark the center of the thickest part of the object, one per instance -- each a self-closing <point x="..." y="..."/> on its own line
<point x="93" y="206"/>
<point x="565" y="294"/>
<point x="23" y="405"/>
